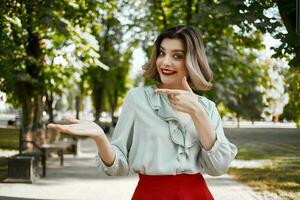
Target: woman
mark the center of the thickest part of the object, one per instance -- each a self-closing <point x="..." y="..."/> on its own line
<point x="166" y="133"/>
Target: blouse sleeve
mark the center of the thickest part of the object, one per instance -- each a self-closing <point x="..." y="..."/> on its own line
<point x="121" y="141"/>
<point x="216" y="161"/>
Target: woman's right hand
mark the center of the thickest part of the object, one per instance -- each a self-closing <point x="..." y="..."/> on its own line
<point x="79" y="128"/>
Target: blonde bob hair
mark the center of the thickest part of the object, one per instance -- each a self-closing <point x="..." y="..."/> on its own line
<point x="199" y="72"/>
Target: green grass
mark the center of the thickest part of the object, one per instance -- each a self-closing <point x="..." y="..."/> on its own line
<point x="9" y="138"/>
<point x="282" y="178"/>
<point x="282" y="146"/>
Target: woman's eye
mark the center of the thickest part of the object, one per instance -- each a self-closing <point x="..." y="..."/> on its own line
<point x="161" y="53"/>
<point x="178" y="56"/>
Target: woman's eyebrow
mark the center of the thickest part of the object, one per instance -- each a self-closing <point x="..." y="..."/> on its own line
<point x="174" y="50"/>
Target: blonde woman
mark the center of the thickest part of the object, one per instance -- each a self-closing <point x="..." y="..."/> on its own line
<point x="166" y="133"/>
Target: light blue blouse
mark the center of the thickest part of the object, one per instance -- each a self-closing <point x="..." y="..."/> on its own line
<point x="149" y="139"/>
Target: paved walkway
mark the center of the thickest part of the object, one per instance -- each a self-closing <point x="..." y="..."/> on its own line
<point x="79" y="179"/>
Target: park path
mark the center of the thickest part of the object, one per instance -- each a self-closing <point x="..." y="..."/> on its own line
<point x="79" y="179"/>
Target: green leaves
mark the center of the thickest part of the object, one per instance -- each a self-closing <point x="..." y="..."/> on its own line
<point x="48" y="45"/>
<point x="231" y="40"/>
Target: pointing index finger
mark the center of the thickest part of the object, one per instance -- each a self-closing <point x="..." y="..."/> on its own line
<point x="186" y="85"/>
<point x="167" y="91"/>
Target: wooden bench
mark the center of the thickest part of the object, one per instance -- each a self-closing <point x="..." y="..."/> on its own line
<point x="23" y="167"/>
<point x="44" y="151"/>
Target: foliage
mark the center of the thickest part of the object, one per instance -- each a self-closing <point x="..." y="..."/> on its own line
<point x="278" y="17"/>
<point x="47" y="46"/>
<point x="237" y="74"/>
<point x="34" y="35"/>
<point x="292" y="109"/>
<point x="231" y="31"/>
<point x="110" y="85"/>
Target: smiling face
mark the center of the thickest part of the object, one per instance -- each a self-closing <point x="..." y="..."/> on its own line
<point x="170" y="63"/>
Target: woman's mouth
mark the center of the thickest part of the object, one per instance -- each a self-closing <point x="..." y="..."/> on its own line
<point x="168" y="72"/>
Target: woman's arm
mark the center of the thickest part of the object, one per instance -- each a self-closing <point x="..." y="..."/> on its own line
<point x="185" y="100"/>
<point x="106" y="152"/>
<point x="217" y="152"/>
<point x="205" y="130"/>
<point x="112" y="156"/>
<point x="216" y="161"/>
<point x="92" y="130"/>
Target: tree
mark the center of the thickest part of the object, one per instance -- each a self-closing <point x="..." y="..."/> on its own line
<point x="26" y="26"/>
<point x="108" y="86"/>
<point x="292" y="109"/>
<point x="229" y="49"/>
<point x="278" y="17"/>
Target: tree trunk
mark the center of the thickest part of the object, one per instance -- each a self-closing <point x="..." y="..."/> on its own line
<point x="289" y="21"/>
<point x="27" y="119"/>
<point x="27" y="114"/>
<point x="49" y="103"/>
<point x="98" y="94"/>
<point x="113" y="101"/>
<point x="77" y="106"/>
<point x="33" y="51"/>
<point x="38" y="112"/>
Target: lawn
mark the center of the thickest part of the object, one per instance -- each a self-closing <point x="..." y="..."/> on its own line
<point x="9" y="138"/>
<point x="279" y="145"/>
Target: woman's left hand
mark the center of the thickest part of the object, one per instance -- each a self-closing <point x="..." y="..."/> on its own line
<point x="182" y="100"/>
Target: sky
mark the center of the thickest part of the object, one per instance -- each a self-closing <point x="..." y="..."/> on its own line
<point x="139" y="59"/>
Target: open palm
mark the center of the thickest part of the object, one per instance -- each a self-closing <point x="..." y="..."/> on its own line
<point x="78" y="127"/>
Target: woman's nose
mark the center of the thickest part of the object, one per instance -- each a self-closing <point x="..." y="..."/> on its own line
<point x="166" y="61"/>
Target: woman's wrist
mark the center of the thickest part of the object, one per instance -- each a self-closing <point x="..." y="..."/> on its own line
<point x="98" y="138"/>
<point x="197" y="111"/>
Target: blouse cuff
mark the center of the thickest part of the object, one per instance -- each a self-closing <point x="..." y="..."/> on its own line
<point x="219" y="157"/>
<point x="214" y="148"/>
<point x="109" y="170"/>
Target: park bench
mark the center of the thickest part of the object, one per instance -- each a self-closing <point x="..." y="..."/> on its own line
<point x="44" y="151"/>
<point x="23" y="167"/>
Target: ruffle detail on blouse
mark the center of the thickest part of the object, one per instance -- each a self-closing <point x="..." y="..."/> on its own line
<point x="162" y="108"/>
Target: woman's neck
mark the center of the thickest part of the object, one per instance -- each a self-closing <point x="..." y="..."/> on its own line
<point x="174" y="87"/>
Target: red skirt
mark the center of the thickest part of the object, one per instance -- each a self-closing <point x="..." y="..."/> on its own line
<point x="169" y="187"/>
